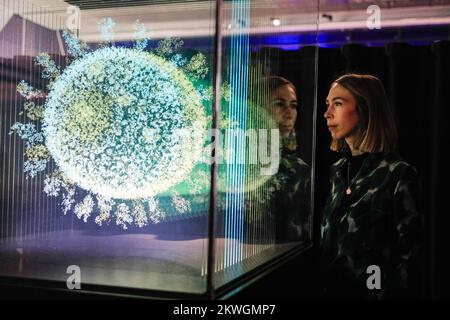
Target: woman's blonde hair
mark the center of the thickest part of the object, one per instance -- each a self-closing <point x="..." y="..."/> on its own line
<point x="274" y="82"/>
<point x="262" y="89"/>
<point x="376" y="131"/>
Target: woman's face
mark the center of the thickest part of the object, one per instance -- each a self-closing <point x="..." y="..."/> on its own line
<point x="283" y="107"/>
<point x="342" y="116"/>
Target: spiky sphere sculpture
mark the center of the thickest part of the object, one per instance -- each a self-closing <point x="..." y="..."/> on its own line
<point x="122" y="122"/>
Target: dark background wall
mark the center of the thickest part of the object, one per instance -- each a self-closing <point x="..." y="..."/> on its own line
<point x="417" y="81"/>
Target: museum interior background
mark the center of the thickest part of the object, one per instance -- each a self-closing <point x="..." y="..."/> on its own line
<point x="313" y="44"/>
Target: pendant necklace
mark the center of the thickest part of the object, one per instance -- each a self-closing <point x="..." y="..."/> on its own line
<point x="349" y="190"/>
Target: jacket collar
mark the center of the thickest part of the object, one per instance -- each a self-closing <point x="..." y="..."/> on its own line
<point x="370" y="163"/>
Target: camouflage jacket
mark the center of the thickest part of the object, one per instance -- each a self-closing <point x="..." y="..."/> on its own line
<point x="290" y="204"/>
<point x="377" y="224"/>
<point x="285" y="199"/>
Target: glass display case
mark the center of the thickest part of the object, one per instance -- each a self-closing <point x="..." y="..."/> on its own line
<point x="157" y="148"/>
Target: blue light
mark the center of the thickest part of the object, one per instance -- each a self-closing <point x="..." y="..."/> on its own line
<point x="234" y="215"/>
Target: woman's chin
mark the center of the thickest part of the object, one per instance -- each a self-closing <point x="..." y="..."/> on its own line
<point x="285" y="130"/>
<point x="335" y="136"/>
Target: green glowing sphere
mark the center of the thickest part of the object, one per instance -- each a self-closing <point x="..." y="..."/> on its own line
<point x="124" y="123"/>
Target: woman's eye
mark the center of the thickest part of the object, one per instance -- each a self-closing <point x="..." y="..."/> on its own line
<point x="337" y="104"/>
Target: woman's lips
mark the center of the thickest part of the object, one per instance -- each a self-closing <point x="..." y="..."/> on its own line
<point x="332" y="127"/>
<point x="286" y="127"/>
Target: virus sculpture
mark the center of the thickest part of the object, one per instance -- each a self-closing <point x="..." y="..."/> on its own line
<point x="123" y="126"/>
<point x="127" y="131"/>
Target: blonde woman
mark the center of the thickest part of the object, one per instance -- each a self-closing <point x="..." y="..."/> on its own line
<point x="371" y="228"/>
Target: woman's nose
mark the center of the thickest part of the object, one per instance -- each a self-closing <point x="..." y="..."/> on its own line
<point x="288" y="110"/>
<point x="327" y="114"/>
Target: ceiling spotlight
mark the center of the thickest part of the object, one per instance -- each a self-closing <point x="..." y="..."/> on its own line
<point x="275" y="21"/>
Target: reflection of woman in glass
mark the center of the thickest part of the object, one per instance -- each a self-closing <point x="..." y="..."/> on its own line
<point x="371" y="218"/>
<point x="283" y="108"/>
<point x="291" y="185"/>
